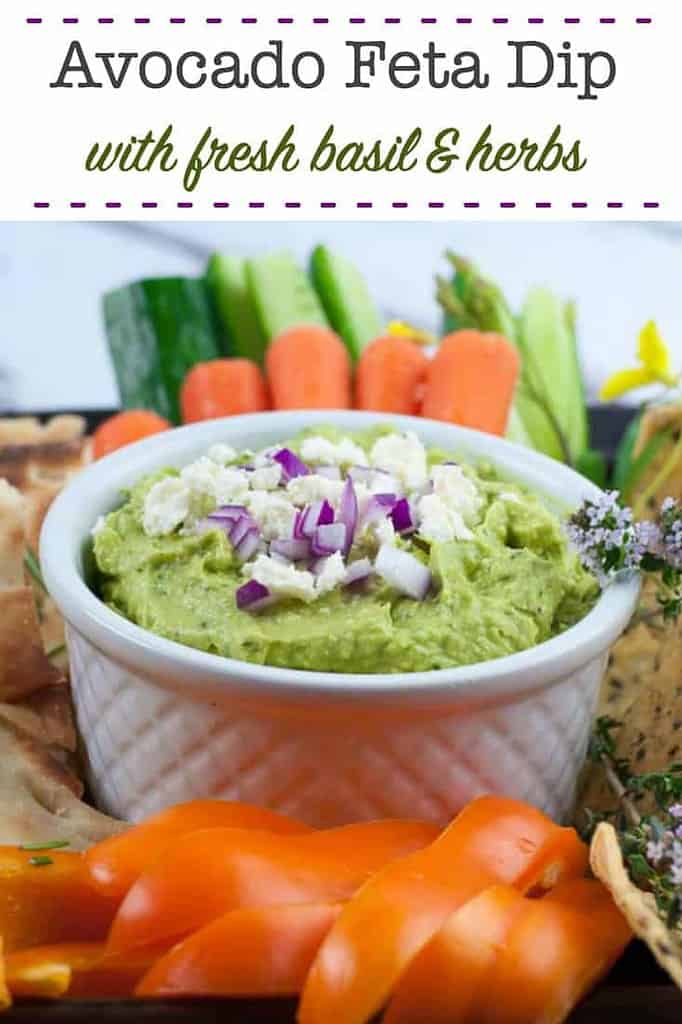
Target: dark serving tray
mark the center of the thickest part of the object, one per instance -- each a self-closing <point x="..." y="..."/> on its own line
<point x="637" y="989"/>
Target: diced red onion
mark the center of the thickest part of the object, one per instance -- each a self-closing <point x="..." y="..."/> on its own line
<point x="402" y="516"/>
<point x="291" y="548"/>
<point x="253" y="596"/>
<point x="228" y="513"/>
<point x="248" y="544"/>
<point x="241" y="528"/>
<point x="328" y="472"/>
<point x="291" y="464"/>
<point x="348" y="513"/>
<point x="329" y="539"/>
<point x="403" y="571"/>
<point x="361" y="474"/>
<point x="378" y="507"/>
<point x="358" y="571"/>
<point x="319" y="514"/>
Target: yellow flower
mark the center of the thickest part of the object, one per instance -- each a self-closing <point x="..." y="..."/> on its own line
<point x="655" y="368"/>
<point x="398" y="329"/>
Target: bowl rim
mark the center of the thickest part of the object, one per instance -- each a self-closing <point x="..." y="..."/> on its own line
<point x="175" y="666"/>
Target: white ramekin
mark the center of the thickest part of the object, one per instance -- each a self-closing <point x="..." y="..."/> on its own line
<point x="164" y="723"/>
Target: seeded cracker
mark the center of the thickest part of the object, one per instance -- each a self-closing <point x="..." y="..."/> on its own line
<point x="638" y="907"/>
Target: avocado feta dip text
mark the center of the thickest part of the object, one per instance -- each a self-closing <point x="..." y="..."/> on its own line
<point x="338" y="553"/>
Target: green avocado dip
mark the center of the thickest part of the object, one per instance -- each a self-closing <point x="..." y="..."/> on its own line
<point x="341" y="553"/>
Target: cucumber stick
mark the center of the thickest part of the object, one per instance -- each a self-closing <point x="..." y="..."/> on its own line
<point x="242" y="334"/>
<point x="552" y="369"/>
<point x="346" y="299"/>
<point x="157" y="330"/>
<point x="282" y="295"/>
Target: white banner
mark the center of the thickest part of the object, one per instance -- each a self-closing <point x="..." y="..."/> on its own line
<point x="137" y="109"/>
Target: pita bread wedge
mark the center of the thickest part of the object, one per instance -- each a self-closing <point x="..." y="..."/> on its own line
<point x="40" y="792"/>
<point x="638" y="907"/>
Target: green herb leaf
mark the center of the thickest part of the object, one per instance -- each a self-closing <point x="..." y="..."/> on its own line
<point x="55" y="844"/>
<point x="33" y="568"/>
<point x="40" y="862"/>
<point x="55" y="651"/>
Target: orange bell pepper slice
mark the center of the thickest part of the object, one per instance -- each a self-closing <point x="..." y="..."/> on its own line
<point x="494" y="840"/>
<point x="209" y="873"/>
<point x="45" y="898"/>
<point x="505" y="959"/>
<point x="264" y="951"/>
<point x="77" y="970"/>
<point x="114" y="864"/>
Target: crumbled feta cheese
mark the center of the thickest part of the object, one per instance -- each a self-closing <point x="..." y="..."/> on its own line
<point x="222" y="454"/>
<point x="438" y="521"/>
<point x="306" y="490"/>
<point x="384" y="531"/>
<point x="282" y="579"/>
<point x="264" y="457"/>
<point x="403" y="456"/>
<point x="166" y="506"/>
<point x="330" y="453"/>
<point x="266" y="478"/>
<point x="227" y="486"/>
<point x="458" y="492"/>
<point x="99" y="526"/>
<point x="332" y="574"/>
<point x="273" y="512"/>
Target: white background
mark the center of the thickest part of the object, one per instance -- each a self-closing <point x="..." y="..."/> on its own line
<point x="629" y="132"/>
<point x="52" y="276"/>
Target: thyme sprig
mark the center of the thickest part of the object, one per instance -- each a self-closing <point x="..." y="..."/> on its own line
<point x="651" y="841"/>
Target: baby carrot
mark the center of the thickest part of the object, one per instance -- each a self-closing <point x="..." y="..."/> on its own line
<point x="390" y="376"/>
<point x="309" y="367"/>
<point x="124" y="428"/>
<point x="471" y="381"/>
<point x="222" y="387"/>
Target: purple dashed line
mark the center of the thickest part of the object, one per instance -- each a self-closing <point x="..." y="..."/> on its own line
<point x="644" y="21"/>
<point x="221" y="205"/>
<point x="178" y="21"/>
<point x="507" y="206"/>
<point x="651" y="206"/>
<point x="77" y="206"/>
<point x="536" y="21"/>
<point x="69" y="21"/>
<point x="34" y="21"/>
<point x="429" y="21"/>
<point x="360" y="205"/>
<point x="579" y="206"/>
<point x="364" y="206"/>
<point x="327" y="206"/>
<point x="185" y="206"/>
<point x="320" y="21"/>
<point x="113" y="206"/>
<point x="471" y="206"/>
<point x="256" y="206"/>
<point x="500" y="21"/>
<point x="214" y="21"/>
<point x="391" y="21"/>
<point x="607" y="21"/>
<point x="249" y="21"/>
<point x="285" y="21"/>
<point x="571" y="21"/>
<point x="149" y="206"/>
<point x="436" y="206"/>
<point x="464" y="21"/>
<point x="614" y="206"/>
<point x="142" y="21"/>
<point x="292" y="206"/>
<point x="543" y="206"/>
<point x="356" y="21"/>
<point x="105" y="21"/>
<point x="400" y="206"/>
<point x="41" y="206"/>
